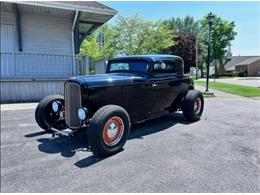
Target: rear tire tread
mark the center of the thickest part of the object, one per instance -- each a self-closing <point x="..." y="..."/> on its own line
<point x="188" y="105"/>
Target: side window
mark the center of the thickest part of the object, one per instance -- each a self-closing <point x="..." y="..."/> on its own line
<point x="165" y="68"/>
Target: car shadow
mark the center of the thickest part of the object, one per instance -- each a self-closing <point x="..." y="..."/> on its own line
<point x="35" y="134"/>
<point x="140" y="130"/>
<point x="90" y="160"/>
<point x="68" y="147"/>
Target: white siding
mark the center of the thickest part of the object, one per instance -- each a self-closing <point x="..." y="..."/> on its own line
<point x="7" y="45"/>
<point x="8" y="32"/>
<point x="44" y="66"/>
<point x="28" y="91"/>
<point x="7" y="38"/>
<point x="48" y="35"/>
<point x="47" y="53"/>
<point x="45" y="34"/>
<point x="7" y="17"/>
<point x="46" y="43"/>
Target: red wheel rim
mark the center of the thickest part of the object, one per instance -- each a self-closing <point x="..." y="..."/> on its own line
<point x="113" y="131"/>
<point x="197" y="106"/>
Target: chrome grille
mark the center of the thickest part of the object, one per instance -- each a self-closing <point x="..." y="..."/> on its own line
<point x="72" y="103"/>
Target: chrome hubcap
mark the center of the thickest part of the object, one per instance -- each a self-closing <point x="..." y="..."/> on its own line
<point x="113" y="131"/>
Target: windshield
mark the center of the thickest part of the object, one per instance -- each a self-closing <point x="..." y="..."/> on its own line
<point x="128" y="66"/>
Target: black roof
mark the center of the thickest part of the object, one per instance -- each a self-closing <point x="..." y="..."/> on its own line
<point x="153" y="57"/>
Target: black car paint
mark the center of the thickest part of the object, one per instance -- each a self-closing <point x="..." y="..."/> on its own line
<point x="143" y="96"/>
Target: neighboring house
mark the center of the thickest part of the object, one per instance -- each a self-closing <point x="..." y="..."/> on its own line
<point x="40" y="43"/>
<point x="249" y="63"/>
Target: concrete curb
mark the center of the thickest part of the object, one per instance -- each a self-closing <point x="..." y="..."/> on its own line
<point x="19" y="106"/>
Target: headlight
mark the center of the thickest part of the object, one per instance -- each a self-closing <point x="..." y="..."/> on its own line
<point x="82" y="113"/>
<point x="56" y="106"/>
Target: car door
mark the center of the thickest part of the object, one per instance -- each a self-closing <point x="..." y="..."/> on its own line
<point x="164" y="85"/>
<point x="139" y="101"/>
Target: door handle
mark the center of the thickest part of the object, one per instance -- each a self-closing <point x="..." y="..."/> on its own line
<point x="154" y="85"/>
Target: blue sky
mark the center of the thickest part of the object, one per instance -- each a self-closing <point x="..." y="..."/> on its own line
<point x="246" y="16"/>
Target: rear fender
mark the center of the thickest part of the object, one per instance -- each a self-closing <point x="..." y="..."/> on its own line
<point x="177" y="103"/>
<point x="178" y="100"/>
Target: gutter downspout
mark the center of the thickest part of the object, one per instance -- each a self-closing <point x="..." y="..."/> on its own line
<point x="73" y="43"/>
<point x="18" y="26"/>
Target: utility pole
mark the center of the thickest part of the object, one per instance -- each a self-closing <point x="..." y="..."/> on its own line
<point x="196" y="45"/>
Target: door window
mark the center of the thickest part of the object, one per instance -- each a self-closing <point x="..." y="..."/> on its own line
<point x="166" y="68"/>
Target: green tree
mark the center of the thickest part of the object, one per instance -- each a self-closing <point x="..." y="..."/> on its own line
<point x="91" y="47"/>
<point x="189" y="38"/>
<point x="185" y="48"/>
<point x="132" y="36"/>
<point x="128" y="36"/>
<point x="222" y="34"/>
<point x="185" y="25"/>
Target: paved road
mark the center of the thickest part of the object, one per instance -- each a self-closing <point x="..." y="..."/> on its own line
<point x="219" y="153"/>
<point x="247" y="81"/>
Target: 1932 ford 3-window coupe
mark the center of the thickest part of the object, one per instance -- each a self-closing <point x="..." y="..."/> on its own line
<point x="134" y="89"/>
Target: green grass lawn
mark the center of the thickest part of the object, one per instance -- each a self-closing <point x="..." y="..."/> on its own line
<point x="241" y="90"/>
<point x="208" y="96"/>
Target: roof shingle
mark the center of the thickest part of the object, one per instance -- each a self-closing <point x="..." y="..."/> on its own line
<point x="230" y="64"/>
<point x="248" y="61"/>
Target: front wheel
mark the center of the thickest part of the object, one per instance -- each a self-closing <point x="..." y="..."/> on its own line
<point x="46" y="117"/>
<point x="193" y="105"/>
<point x="108" y="130"/>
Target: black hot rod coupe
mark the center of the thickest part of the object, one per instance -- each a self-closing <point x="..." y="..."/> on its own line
<point x="134" y="89"/>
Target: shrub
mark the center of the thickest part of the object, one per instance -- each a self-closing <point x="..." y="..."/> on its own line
<point x="227" y="74"/>
<point x="242" y="73"/>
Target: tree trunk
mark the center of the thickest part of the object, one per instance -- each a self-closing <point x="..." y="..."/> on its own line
<point x="221" y="69"/>
<point x="216" y="68"/>
<point x="201" y="73"/>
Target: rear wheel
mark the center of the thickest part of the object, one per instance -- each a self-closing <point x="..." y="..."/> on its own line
<point x="108" y="130"/>
<point x="193" y="105"/>
<point x="46" y="117"/>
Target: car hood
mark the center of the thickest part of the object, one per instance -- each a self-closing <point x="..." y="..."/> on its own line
<point x="106" y="79"/>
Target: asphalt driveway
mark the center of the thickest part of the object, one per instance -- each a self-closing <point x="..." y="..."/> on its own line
<point x="219" y="153"/>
